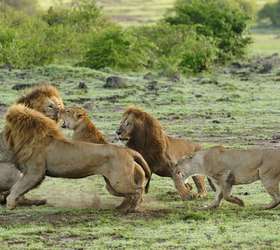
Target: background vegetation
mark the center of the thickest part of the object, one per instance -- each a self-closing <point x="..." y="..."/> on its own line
<point x="194" y="36"/>
<point x="236" y="105"/>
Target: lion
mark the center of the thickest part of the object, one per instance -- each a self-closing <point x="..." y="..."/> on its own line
<point x="77" y="119"/>
<point x="45" y="99"/>
<point x="144" y="134"/>
<point x="40" y="149"/>
<point x="228" y="167"/>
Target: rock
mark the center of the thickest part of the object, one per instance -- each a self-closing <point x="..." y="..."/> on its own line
<point x="21" y="86"/>
<point x="82" y="85"/>
<point x="216" y="121"/>
<point x="265" y="68"/>
<point x="6" y="66"/>
<point x="276" y="137"/>
<point x="88" y="106"/>
<point x="21" y="75"/>
<point x="175" y="78"/>
<point x="115" y="82"/>
<point x="198" y="95"/>
<point x="207" y="81"/>
<point x="149" y="76"/>
<point x="152" y="86"/>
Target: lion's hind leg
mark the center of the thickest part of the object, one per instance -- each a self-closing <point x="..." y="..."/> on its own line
<point x="271" y="185"/>
<point x="218" y="197"/>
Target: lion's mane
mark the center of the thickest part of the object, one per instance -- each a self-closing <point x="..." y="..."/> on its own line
<point x="28" y="131"/>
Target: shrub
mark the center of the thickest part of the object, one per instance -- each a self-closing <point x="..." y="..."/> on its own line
<point x="222" y="20"/>
<point x="32" y="43"/>
<point x="178" y="48"/>
<point x="271" y="11"/>
<point x="60" y="34"/>
<point x="81" y="15"/>
<point x="116" y="48"/>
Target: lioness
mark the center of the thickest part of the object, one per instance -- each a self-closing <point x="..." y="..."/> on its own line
<point x="228" y="167"/>
<point x="77" y="118"/>
<point x="43" y="98"/>
<point x="40" y="149"/>
<point x="144" y="134"/>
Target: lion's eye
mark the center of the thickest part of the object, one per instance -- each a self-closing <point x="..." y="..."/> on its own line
<point x="50" y="107"/>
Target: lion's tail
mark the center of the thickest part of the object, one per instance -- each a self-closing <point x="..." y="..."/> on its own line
<point x="138" y="158"/>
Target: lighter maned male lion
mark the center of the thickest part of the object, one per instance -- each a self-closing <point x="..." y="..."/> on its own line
<point x="228" y="167"/>
<point x="144" y="134"/>
<point x="45" y="99"/>
<point x="40" y="149"/>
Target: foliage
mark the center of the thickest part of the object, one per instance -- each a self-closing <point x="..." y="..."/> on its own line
<point x="59" y="34"/>
<point x="178" y="48"/>
<point x="116" y="48"/>
<point x="222" y="20"/>
<point x="271" y="11"/>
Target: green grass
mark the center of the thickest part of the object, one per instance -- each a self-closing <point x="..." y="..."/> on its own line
<point x="80" y="213"/>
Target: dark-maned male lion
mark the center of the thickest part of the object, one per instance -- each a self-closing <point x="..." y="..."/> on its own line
<point x="145" y="135"/>
<point x="40" y="149"/>
<point x="45" y="99"/>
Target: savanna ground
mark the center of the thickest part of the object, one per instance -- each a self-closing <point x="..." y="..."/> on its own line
<point x="236" y="106"/>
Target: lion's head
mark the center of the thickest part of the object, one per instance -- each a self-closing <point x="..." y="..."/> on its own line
<point x="143" y="133"/>
<point x="28" y="131"/>
<point x="45" y="99"/>
<point x="73" y="116"/>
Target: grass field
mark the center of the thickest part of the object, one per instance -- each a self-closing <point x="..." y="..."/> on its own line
<point x="237" y="110"/>
<point x="218" y="108"/>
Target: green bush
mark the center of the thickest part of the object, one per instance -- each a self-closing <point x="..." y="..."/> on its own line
<point x="81" y="16"/>
<point x="222" y="20"/>
<point x="178" y="48"/>
<point x="59" y="35"/>
<point x="271" y="11"/>
<point x="33" y="43"/>
<point x="116" y="48"/>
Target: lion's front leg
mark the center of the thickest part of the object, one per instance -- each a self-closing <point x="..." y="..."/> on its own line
<point x="33" y="175"/>
<point x="183" y="190"/>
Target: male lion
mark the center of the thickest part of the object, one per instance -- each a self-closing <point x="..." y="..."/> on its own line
<point x="145" y="135"/>
<point x="228" y="167"/>
<point x="46" y="99"/>
<point x="40" y="149"/>
<point x="77" y="118"/>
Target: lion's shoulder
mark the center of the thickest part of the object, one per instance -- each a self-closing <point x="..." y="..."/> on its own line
<point x="29" y="129"/>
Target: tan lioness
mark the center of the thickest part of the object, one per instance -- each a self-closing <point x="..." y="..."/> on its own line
<point x="41" y="149"/>
<point x="77" y="119"/>
<point x="228" y="167"/>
